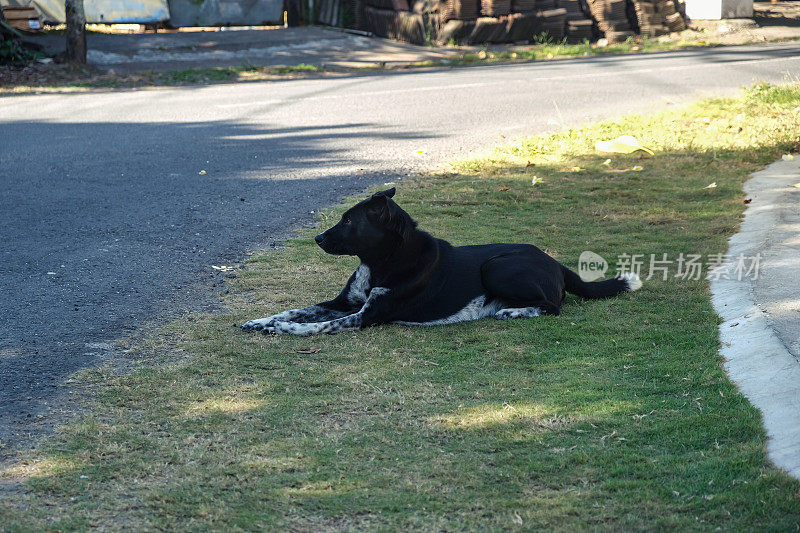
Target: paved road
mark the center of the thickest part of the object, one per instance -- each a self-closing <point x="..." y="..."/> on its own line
<point x="107" y="222"/>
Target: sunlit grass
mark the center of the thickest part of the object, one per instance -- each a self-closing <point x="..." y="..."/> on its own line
<point x="616" y="415"/>
<point x="42" y="467"/>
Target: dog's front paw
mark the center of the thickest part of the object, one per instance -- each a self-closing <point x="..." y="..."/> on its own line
<point x="522" y="312"/>
<point x="292" y="328"/>
<point x="261" y="324"/>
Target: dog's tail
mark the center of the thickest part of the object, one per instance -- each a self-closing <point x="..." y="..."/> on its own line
<point x="600" y="289"/>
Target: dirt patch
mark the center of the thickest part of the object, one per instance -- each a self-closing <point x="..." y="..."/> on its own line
<point x="43" y="74"/>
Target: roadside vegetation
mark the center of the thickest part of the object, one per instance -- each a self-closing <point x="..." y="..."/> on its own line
<point x="12" y="50"/>
<point x="44" y="78"/>
<point x="616" y="415"/>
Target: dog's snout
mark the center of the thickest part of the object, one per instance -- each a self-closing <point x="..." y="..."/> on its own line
<point x="319" y="238"/>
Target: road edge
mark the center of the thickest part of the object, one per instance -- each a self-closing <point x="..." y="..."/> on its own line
<point x="755" y="358"/>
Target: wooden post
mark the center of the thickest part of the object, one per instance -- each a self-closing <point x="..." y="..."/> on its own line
<point x="294" y="16"/>
<point x="76" y="32"/>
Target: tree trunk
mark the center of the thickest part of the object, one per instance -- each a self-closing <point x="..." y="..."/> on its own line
<point x="76" y="32"/>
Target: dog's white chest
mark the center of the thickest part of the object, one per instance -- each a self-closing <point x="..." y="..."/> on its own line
<point x="360" y="285"/>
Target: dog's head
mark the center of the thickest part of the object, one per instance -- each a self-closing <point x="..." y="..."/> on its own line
<point x="371" y="229"/>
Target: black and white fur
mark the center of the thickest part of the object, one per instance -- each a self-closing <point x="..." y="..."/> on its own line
<point x="408" y="277"/>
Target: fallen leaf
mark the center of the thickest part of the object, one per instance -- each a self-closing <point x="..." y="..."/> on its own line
<point x="202" y="172"/>
<point x="607" y="162"/>
<point x="787" y="157"/>
<point x="624" y="144"/>
<point x="748" y="200"/>
<point x="535" y="180"/>
<point x="796" y="185"/>
<point x="604" y="437"/>
<point x="503" y="188"/>
<point x="577" y="169"/>
<point x="420" y="151"/>
<point x="637" y="168"/>
<point x="313" y="349"/>
<point x="711" y="185"/>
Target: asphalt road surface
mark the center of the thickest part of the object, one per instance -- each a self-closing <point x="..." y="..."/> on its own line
<point x="115" y="205"/>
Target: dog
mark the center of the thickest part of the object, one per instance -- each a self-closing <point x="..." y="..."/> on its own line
<point x="407" y="276"/>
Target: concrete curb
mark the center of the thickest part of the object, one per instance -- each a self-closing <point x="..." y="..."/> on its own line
<point x="756" y="357"/>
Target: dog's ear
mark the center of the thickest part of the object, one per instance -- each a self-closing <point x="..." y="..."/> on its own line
<point x="378" y="207"/>
<point x="389" y="193"/>
<point x="387" y="213"/>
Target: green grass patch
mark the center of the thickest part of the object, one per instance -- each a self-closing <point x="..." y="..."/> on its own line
<point x="616" y="415"/>
<point x="548" y="49"/>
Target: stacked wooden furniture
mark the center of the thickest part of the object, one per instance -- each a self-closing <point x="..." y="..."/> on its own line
<point x="514" y="21"/>
<point x="612" y="19"/>
<point x="655" y="17"/>
<point x="621" y="19"/>
<point x="524" y="22"/>
<point x="579" y="27"/>
<point x="476" y="21"/>
<point x="394" y="19"/>
<point x="22" y="18"/>
<point x="553" y="18"/>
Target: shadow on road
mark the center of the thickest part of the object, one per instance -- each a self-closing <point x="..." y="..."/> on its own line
<point x="109" y="225"/>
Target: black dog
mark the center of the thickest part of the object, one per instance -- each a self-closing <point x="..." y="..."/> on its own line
<point x="408" y="277"/>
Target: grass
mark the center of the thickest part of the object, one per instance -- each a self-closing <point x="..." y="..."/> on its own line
<point x="617" y="415"/>
<point x="548" y="49"/>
